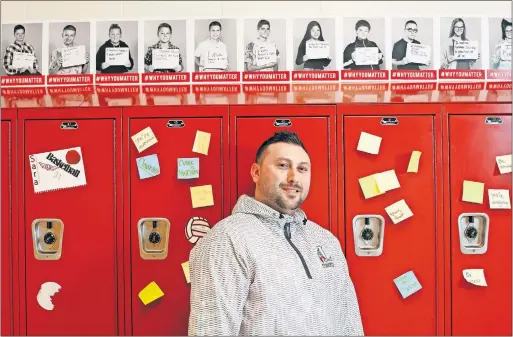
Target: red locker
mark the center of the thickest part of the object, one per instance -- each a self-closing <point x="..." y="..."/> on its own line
<point x="84" y="221"/>
<point x="165" y="197"/>
<point x="409" y="245"/>
<point x="315" y="126"/>
<point x="477" y="135"/>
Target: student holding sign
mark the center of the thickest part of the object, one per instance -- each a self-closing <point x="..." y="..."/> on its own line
<point x="211" y="54"/>
<point x="459" y="52"/>
<point x="313" y="52"/>
<point x="163" y="57"/>
<point x="362" y="54"/>
<point x="408" y="57"/>
<point x="501" y="57"/>
<point x="262" y="54"/>
<point x="69" y="59"/>
<point x="20" y="57"/>
<point x="114" y="55"/>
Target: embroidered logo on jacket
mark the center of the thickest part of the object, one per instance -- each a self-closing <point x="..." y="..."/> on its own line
<point x="325" y="260"/>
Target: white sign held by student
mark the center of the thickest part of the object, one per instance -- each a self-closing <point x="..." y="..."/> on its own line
<point x="366" y="56"/>
<point x="317" y="49"/>
<point x="466" y="50"/>
<point x="73" y="56"/>
<point x="165" y="58"/>
<point x="22" y="60"/>
<point x="117" y="56"/>
<point x="418" y="53"/>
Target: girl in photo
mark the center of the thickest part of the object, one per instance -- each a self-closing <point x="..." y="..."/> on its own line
<point x="456" y="34"/>
<point x="313" y="33"/>
<point x="505" y="43"/>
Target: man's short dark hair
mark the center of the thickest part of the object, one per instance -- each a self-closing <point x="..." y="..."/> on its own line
<point x="165" y="25"/>
<point x="263" y="22"/>
<point x="70" y="27"/>
<point x="18" y="27"/>
<point x="215" y="23"/>
<point x="115" y="26"/>
<point x="279" y="137"/>
<point x="408" y="22"/>
<point x="362" y="23"/>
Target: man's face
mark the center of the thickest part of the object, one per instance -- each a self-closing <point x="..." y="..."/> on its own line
<point x="115" y="35"/>
<point x="19" y="35"/>
<point x="362" y="32"/>
<point x="283" y="177"/>
<point x="68" y="37"/>
<point x="264" y="31"/>
<point x="410" y="31"/>
<point x="164" y="34"/>
<point x="215" y="32"/>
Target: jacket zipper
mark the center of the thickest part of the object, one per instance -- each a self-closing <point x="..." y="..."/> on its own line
<point x="288" y="237"/>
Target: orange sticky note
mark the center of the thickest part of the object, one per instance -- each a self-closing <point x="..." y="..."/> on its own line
<point x="150" y="293"/>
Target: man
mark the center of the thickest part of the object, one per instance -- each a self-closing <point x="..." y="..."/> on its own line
<point x="113" y="42"/>
<point x="261" y="42"/>
<point x="266" y="269"/>
<point x="212" y="44"/>
<point x="164" y="32"/>
<point x="19" y="46"/>
<point x="399" y="58"/>
<point x="68" y="35"/>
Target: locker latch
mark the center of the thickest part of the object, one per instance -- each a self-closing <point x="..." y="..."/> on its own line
<point x="493" y="120"/>
<point x="389" y="121"/>
<point x="368" y="232"/>
<point x="282" y="122"/>
<point x="175" y="123"/>
<point x="69" y="125"/>
<point x="473" y="231"/>
<point x="153" y="238"/>
<point x="47" y="237"/>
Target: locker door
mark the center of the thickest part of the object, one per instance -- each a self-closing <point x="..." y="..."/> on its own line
<point x="86" y="271"/>
<point x="165" y="196"/>
<point x="408" y="245"/>
<point x="474" y="145"/>
<point x="251" y="132"/>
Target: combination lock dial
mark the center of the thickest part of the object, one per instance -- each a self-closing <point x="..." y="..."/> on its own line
<point x="471" y="232"/>
<point x="49" y="238"/>
<point x="367" y="234"/>
<point x="154" y="238"/>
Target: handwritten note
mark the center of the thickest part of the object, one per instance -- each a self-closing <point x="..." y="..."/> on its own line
<point x="265" y="55"/>
<point x="369" y="187"/>
<point x="188" y="168"/>
<point x="413" y="165"/>
<point x="475" y="276"/>
<point x="499" y="199"/>
<point x="505" y="52"/>
<point x="148" y="166"/>
<point x="387" y="181"/>
<point x="407" y="284"/>
<point x="201" y="142"/>
<point x="317" y="49"/>
<point x="150" y="293"/>
<point x="418" y="53"/>
<point x="144" y="139"/>
<point x="117" y="56"/>
<point x="73" y="56"/>
<point x="22" y="60"/>
<point x="202" y="196"/>
<point x="369" y="143"/>
<point x="165" y="58"/>
<point x="466" y="50"/>
<point x="399" y="211"/>
<point x="473" y="191"/>
<point x="186" y="271"/>
<point x="366" y="56"/>
<point x="216" y="59"/>
<point x="504" y="163"/>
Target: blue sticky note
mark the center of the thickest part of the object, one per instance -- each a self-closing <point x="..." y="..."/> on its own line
<point x="188" y="168"/>
<point x="148" y="166"/>
<point x="407" y="284"/>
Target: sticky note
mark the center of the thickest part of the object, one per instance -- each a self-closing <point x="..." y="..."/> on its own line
<point x="202" y="196"/>
<point x="150" y="293"/>
<point x="144" y="139"/>
<point x="475" y="276"/>
<point x="407" y="284"/>
<point x="185" y="267"/>
<point x="399" y="211"/>
<point x="369" y="187"/>
<point x="473" y="191"/>
<point x="188" y="168"/>
<point x="148" y="166"/>
<point x="499" y="199"/>
<point x="369" y="143"/>
<point x="413" y="165"/>
<point x="504" y="163"/>
<point x="201" y="142"/>
<point x="386" y="181"/>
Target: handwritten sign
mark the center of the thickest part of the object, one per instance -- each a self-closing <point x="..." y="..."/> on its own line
<point x="73" y="56"/>
<point x="387" y="181"/>
<point x="418" y="53"/>
<point x="148" y="166"/>
<point x="399" y="211"/>
<point x="499" y="199"/>
<point x="265" y="55"/>
<point x="473" y="191"/>
<point x="505" y="52"/>
<point x="188" y="168"/>
<point x="216" y="59"/>
<point x="201" y="196"/>
<point x="369" y="143"/>
<point x="144" y="139"/>
<point x="366" y="56"/>
<point x="413" y="165"/>
<point x="407" y="284"/>
<point x="22" y="60"/>
<point x="117" y="56"/>
<point x="466" y="50"/>
<point x="165" y="58"/>
<point x="201" y="142"/>
<point x="317" y="49"/>
<point x="504" y="163"/>
<point x="475" y="276"/>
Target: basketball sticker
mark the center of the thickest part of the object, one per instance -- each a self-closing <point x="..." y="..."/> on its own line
<point x="196" y="228"/>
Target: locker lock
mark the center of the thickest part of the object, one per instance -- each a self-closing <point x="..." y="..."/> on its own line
<point x="153" y="238"/>
<point x="47" y="237"/>
<point x="368" y="232"/>
<point x="473" y="231"/>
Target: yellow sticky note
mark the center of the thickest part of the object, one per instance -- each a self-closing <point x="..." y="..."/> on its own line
<point x="369" y="143"/>
<point x="386" y="181"/>
<point x="150" y="293"/>
<point x="144" y="139"/>
<point x="201" y="142"/>
<point x="369" y="187"/>
<point x="473" y="191"/>
<point x="185" y="267"/>
<point x="399" y="211"/>
<point x="202" y="196"/>
<point x="499" y="199"/>
<point x="504" y="163"/>
<point x="475" y="276"/>
<point x="413" y="165"/>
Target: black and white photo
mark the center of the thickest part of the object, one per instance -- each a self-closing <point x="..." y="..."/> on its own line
<point x="365" y="44"/>
<point x="22" y="45"/>
<point x="460" y="43"/>
<point x="500" y="43"/>
<point x="314" y="44"/>
<point x="116" y="45"/>
<point x="215" y="45"/>
<point x="68" y="45"/>
<point x="265" y="45"/>
<point x="165" y="46"/>
<point x="412" y="43"/>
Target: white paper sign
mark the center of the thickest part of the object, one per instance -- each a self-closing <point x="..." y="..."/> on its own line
<point x="366" y="56"/>
<point x="117" y="56"/>
<point x="499" y="199"/>
<point x="165" y="58"/>
<point x="265" y="55"/>
<point x="317" y="49"/>
<point x="475" y="276"/>
<point x="73" y="56"/>
<point x="144" y="139"/>
<point x="418" y="53"/>
<point x="466" y="50"/>
<point x="22" y="60"/>
<point x="505" y="52"/>
<point x="57" y="170"/>
<point x="504" y="163"/>
<point x="216" y="59"/>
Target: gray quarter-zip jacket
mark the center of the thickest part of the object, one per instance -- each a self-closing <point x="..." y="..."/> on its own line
<point x="259" y="272"/>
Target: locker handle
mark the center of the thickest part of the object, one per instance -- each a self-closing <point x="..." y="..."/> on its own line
<point x="389" y="121"/>
<point x="493" y="120"/>
<point x="175" y="123"/>
<point x="69" y="125"/>
<point x="282" y="122"/>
